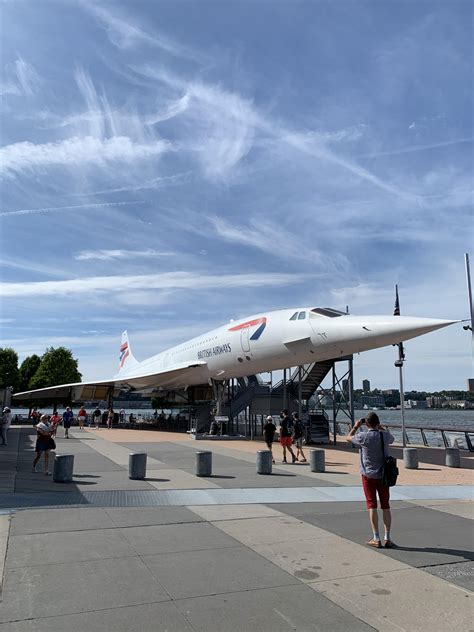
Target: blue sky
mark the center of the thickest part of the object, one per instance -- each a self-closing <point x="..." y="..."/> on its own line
<point x="167" y="166"/>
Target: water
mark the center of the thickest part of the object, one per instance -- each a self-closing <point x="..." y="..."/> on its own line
<point x="428" y="418"/>
<point x="445" y="419"/>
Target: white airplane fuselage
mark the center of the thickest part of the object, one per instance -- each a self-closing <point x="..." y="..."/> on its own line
<point x="277" y="340"/>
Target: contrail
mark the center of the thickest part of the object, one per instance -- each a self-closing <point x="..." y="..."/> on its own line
<point x="51" y="209"/>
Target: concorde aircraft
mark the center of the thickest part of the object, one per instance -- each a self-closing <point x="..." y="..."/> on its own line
<point x="256" y="344"/>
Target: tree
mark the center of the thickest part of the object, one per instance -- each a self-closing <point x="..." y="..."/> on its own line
<point x="57" y="367"/>
<point x="8" y="368"/>
<point x="28" y="368"/>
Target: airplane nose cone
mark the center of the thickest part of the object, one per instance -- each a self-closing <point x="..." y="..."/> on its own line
<point x="395" y="329"/>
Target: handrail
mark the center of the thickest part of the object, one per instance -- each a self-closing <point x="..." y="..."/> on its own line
<point x="423" y="429"/>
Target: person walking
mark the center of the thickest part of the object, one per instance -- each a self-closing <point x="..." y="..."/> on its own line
<point x="97" y="416"/>
<point x="81" y="417"/>
<point x="110" y="418"/>
<point x="269" y="430"/>
<point x="6" y="422"/>
<point x="68" y="416"/>
<point x="54" y="420"/>
<point x="44" y="443"/>
<point x="373" y="446"/>
<point x="286" y="435"/>
<point x="298" y="436"/>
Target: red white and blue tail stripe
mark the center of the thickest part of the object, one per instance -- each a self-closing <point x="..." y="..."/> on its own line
<point x="260" y="323"/>
<point x="126" y="359"/>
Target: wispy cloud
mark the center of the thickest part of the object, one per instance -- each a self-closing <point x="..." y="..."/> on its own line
<point x="166" y="281"/>
<point x="124" y="33"/>
<point x="23" y="79"/>
<point x="28" y="78"/>
<point x="415" y="148"/>
<point x="74" y="207"/>
<point x="27" y="156"/>
<point x="110" y="255"/>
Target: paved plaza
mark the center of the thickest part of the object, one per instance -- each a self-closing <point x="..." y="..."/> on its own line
<point x="235" y="551"/>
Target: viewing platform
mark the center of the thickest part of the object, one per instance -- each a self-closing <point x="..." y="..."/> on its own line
<point x="232" y="551"/>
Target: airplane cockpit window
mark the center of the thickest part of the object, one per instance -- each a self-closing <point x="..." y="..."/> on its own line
<point x="295" y="316"/>
<point x="328" y="311"/>
<point x="301" y="315"/>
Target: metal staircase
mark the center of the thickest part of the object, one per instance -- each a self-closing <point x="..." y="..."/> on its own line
<point x="311" y="377"/>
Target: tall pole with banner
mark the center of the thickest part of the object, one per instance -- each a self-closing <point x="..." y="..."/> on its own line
<point x="399" y="364"/>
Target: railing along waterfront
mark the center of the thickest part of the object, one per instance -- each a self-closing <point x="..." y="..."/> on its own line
<point x="429" y="437"/>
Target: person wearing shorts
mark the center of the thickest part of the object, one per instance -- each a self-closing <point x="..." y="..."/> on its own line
<point x="286" y="435"/>
<point x="269" y="430"/>
<point x="81" y="417"/>
<point x="97" y="417"/>
<point x="67" y="421"/>
<point x="371" y="463"/>
<point x="298" y="437"/>
<point x="44" y="443"/>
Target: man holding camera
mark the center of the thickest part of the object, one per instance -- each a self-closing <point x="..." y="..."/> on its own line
<point x="373" y="452"/>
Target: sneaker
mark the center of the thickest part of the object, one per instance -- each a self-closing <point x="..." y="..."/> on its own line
<point x="284" y="461"/>
<point x="375" y="543"/>
<point x="294" y="459"/>
<point x="389" y="544"/>
<point x="303" y="461"/>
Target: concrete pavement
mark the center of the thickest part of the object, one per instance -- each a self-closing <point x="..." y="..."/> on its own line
<point x="176" y="552"/>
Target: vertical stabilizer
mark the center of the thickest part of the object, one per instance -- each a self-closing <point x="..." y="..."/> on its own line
<point x="126" y="359"/>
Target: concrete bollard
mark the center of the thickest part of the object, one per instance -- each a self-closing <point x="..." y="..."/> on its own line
<point x="317" y="460"/>
<point x="203" y="463"/>
<point x="63" y="468"/>
<point x="264" y="462"/>
<point x="453" y="457"/>
<point x="410" y="458"/>
<point x="137" y="466"/>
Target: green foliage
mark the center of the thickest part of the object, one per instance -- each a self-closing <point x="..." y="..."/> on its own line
<point x="57" y="367"/>
<point x="8" y="368"/>
<point x="28" y="368"/>
<point x="158" y="402"/>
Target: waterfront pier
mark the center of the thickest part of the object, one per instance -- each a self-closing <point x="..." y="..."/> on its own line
<point x="232" y="551"/>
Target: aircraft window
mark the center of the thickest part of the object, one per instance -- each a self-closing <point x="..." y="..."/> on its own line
<point x="328" y="311"/>
<point x="295" y="316"/>
<point x="301" y="315"/>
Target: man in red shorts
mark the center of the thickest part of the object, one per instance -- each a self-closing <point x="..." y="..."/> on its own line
<point x="372" y="458"/>
<point x="286" y="434"/>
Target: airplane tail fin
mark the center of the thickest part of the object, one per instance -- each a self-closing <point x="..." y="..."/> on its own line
<point x="126" y="357"/>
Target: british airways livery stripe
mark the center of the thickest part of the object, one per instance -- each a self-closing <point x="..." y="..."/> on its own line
<point x="252" y="323"/>
<point x="123" y="353"/>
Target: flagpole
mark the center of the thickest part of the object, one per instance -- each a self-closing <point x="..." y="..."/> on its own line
<point x="402" y="394"/>
<point x="469" y="293"/>
<point x="399" y="364"/>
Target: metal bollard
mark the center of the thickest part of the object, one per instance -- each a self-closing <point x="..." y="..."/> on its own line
<point x="317" y="460"/>
<point x="137" y="466"/>
<point x="453" y="457"/>
<point x="264" y="462"/>
<point x="203" y="463"/>
<point x="63" y="468"/>
<point x="410" y="458"/>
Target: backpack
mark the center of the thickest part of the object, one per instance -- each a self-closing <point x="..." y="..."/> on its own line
<point x="389" y="469"/>
<point x="298" y="431"/>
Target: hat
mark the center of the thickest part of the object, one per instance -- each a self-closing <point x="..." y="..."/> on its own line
<point x="269" y="418"/>
<point x="6" y="409"/>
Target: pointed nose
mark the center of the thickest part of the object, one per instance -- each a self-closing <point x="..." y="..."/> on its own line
<point x="394" y="329"/>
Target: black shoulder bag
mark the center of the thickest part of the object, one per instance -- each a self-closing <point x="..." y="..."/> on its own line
<point x="389" y="468"/>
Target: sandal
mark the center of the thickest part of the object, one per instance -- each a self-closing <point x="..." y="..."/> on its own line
<point x="375" y="543"/>
<point x="389" y="544"/>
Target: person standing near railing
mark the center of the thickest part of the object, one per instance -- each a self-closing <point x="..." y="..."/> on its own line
<point x="372" y="458"/>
